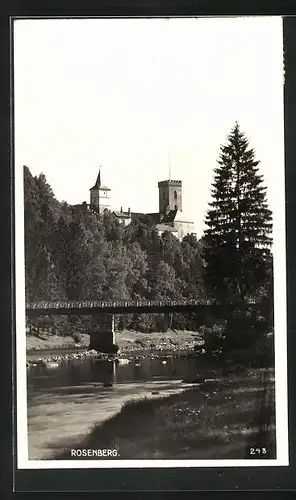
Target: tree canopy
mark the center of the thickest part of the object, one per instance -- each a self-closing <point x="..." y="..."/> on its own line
<point x="237" y="240"/>
<point x="73" y="253"/>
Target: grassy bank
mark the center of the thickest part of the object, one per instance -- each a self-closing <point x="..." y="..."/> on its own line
<point x="49" y="341"/>
<point x="126" y="340"/>
<point x="222" y="418"/>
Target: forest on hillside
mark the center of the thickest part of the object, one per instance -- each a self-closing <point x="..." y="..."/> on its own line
<point x="74" y="253"/>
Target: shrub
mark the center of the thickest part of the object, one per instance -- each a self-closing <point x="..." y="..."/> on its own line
<point x="214" y="337"/>
<point x="77" y="337"/>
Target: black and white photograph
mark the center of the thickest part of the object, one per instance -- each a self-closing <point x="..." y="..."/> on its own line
<point x="150" y="255"/>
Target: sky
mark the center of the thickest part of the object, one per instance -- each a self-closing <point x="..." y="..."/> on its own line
<point x="133" y="95"/>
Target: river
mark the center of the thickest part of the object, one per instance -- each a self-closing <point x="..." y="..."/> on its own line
<point x="67" y="400"/>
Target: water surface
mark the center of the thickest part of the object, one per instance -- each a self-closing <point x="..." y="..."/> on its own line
<point x="65" y="402"/>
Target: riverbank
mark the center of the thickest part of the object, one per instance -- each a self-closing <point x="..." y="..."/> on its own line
<point x="126" y="341"/>
<point x="45" y="341"/>
<point x="221" y="418"/>
<point x="62" y="417"/>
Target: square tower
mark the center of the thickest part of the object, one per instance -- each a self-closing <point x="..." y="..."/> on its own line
<point x="170" y="196"/>
<point x="100" y="196"/>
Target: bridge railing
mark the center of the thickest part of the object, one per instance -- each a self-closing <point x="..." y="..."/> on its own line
<point x="115" y="304"/>
<point x="105" y="304"/>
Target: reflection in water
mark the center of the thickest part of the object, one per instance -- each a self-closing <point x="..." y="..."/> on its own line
<point x="77" y="372"/>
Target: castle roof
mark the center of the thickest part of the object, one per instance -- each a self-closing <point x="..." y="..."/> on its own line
<point x="176" y="216"/>
<point x="169" y="216"/>
<point x="98" y="184"/>
<point x="122" y="215"/>
<point x="154" y="217"/>
<point x="138" y="216"/>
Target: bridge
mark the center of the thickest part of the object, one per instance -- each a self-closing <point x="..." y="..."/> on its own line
<point x="102" y="336"/>
<point x="115" y="307"/>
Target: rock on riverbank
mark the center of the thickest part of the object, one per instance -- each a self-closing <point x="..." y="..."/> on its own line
<point x="54" y="360"/>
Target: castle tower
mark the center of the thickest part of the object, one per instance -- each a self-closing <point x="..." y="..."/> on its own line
<point x="100" y="196"/>
<point x="170" y="196"/>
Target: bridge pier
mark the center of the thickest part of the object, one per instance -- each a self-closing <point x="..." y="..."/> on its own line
<point x="167" y="321"/>
<point x="102" y="333"/>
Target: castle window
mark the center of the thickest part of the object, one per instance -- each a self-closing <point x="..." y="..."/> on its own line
<point x="175" y="195"/>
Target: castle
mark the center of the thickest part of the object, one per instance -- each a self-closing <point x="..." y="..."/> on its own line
<point x="170" y="216"/>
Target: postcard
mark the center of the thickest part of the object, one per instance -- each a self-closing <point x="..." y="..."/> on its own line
<point x="150" y="242"/>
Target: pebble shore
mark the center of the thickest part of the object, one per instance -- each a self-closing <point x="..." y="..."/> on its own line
<point x="43" y="361"/>
<point x="119" y="357"/>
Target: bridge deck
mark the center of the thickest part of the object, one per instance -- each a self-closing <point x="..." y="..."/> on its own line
<point x="117" y="307"/>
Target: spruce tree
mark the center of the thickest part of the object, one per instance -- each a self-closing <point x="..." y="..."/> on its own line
<point x="238" y="239"/>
